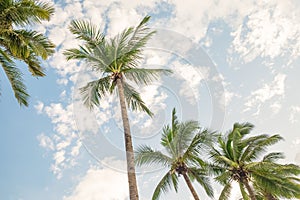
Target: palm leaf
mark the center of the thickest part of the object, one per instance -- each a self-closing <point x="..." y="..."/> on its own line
<point x="26" y="12"/>
<point x="94" y="91"/>
<point x="167" y="140"/>
<point x="225" y="191"/>
<point x="14" y="76"/>
<point x="144" y="76"/>
<point x="146" y="155"/>
<point x="87" y="32"/>
<point x="273" y="156"/>
<point x="200" y="175"/>
<point x="201" y="142"/>
<point x="164" y="185"/>
<point x="134" y="99"/>
<point x="38" y="43"/>
<point x="184" y="136"/>
<point x="260" y="146"/>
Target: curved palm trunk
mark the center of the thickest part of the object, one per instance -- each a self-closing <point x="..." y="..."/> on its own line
<point x="133" y="192"/>
<point x="188" y="182"/>
<point x="249" y="189"/>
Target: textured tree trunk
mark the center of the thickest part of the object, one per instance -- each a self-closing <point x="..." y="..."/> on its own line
<point x="250" y="190"/>
<point x="188" y="182"/>
<point x="133" y="192"/>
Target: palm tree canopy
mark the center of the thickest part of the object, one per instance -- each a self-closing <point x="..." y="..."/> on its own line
<point x="236" y="159"/>
<point x="182" y="143"/>
<point x="17" y="43"/>
<point x="115" y="58"/>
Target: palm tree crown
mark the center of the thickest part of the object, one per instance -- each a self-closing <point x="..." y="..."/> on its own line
<point x="183" y="142"/>
<point x="236" y="159"/>
<point x="116" y="59"/>
<point x="17" y="43"/>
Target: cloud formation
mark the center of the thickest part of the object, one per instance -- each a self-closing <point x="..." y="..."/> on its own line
<point x="97" y="184"/>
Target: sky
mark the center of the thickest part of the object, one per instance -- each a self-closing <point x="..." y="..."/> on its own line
<point x="233" y="61"/>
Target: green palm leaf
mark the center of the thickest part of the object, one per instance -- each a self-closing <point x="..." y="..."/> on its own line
<point x="165" y="184"/>
<point x="200" y="175"/>
<point x="25" y="12"/>
<point x="94" y="91"/>
<point x="145" y="76"/>
<point x="134" y="99"/>
<point x="87" y="32"/>
<point x="146" y="155"/>
<point x="225" y="193"/>
<point x="14" y="76"/>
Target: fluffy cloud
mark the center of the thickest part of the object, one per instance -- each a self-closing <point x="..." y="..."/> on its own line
<point x="295" y="111"/>
<point x="192" y="77"/>
<point x="101" y="184"/>
<point x="267" y="92"/>
<point x="64" y="143"/>
<point x="270" y="30"/>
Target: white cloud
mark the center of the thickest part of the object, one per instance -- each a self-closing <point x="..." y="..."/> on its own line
<point x="64" y="143"/>
<point x="276" y="106"/>
<point x="45" y="141"/>
<point x="267" y="92"/>
<point x="270" y="30"/>
<point x="295" y="111"/>
<point x="99" y="184"/>
<point x="192" y="77"/>
<point x="39" y="107"/>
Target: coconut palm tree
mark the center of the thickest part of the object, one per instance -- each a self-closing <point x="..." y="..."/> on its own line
<point x="19" y="43"/>
<point x="183" y="142"/>
<point x="236" y="159"/>
<point x="117" y="61"/>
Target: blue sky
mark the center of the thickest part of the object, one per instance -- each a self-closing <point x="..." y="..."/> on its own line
<point x="233" y="61"/>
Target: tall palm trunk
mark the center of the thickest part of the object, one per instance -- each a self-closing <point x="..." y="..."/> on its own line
<point x="249" y="189"/>
<point x="133" y="192"/>
<point x="188" y="182"/>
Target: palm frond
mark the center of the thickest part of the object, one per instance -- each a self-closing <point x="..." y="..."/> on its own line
<point x="130" y="54"/>
<point x="134" y="99"/>
<point x="186" y="131"/>
<point x="146" y="155"/>
<point x="38" y="43"/>
<point x="224" y="177"/>
<point x="251" y="143"/>
<point x="201" y="176"/>
<point x="164" y="185"/>
<point x="225" y="192"/>
<point x="143" y="75"/>
<point x="14" y="76"/>
<point x="95" y="90"/>
<point x="167" y="140"/>
<point x="244" y="128"/>
<point x="87" y="32"/>
<point x="273" y="156"/>
<point x="200" y="144"/>
<point x="94" y="61"/>
<point x="26" y="12"/>
<point x="260" y="146"/>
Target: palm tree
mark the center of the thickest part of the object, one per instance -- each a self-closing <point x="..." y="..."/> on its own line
<point x="235" y="160"/>
<point x="183" y="142"/>
<point x="117" y="61"/>
<point x="17" y="43"/>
